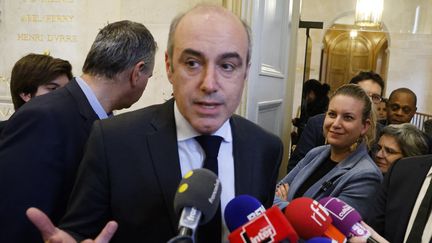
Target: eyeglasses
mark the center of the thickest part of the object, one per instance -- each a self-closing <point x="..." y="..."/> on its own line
<point x="387" y="151"/>
<point x="375" y="98"/>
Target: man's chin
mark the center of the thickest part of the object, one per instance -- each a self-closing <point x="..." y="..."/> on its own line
<point x="207" y="127"/>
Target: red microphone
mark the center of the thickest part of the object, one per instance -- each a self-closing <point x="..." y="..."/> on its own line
<point x="270" y="226"/>
<point x="310" y="219"/>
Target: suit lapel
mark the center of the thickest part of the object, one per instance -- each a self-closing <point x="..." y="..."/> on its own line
<point x="243" y="166"/>
<point x="306" y="172"/>
<point x="164" y="152"/>
<point x="344" y="166"/>
<point x="418" y="174"/>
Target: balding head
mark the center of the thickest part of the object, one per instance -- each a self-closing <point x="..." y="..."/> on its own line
<point x="209" y="10"/>
<point x="401" y="106"/>
<point x="207" y="63"/>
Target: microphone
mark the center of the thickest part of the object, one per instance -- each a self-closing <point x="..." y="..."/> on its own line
<point x="321" y="240"/>
<point x="196" y="200"/>
<point x="310" y="219"/>
<point x="241" y="210"/>
<point x="346" y="218"/>
<point x="270" y="226"/>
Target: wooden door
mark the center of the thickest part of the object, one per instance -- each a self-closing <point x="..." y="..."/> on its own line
<point x="345" y="55"/>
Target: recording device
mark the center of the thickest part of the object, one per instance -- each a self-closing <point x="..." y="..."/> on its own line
<point x="196" y="200"/>
<point x="270" y="226"/>
<point x="310" y="219"/>
<point x="241" y="210"/>
<point x="346" y="218"/>
<point x="321" y="240"/>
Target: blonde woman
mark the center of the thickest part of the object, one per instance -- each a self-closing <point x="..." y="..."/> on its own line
<point x="342" y="168"/>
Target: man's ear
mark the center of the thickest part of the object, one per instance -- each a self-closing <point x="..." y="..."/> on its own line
<point x="247" y="71"/>
<point x="25" y="97"/>
<point x="136" y="73"/>
<point x="168" y="65"/>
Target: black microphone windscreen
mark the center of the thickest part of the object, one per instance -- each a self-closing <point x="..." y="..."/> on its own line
<point x="201" y="189"/>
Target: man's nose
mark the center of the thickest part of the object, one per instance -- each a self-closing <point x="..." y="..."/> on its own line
<point x="209" y="79"/>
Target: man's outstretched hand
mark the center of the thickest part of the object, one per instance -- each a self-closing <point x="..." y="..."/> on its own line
<point x="52" y="234"/>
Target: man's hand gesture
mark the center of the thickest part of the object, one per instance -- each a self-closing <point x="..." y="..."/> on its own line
<point x="52" y="234"/>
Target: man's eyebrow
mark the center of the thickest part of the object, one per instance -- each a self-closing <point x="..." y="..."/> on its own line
<point x="232" y="55"/>
<point x="189" y="51"/>
<point x="51" y="83"/>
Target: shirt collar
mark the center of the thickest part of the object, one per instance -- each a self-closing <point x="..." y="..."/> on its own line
<point x="91" y="97"/>
<point x="185" y="131"/>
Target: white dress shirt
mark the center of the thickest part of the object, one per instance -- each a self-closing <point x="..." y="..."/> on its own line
<point x="192" y="157"/>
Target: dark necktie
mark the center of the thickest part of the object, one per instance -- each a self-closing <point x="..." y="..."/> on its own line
<point x="210" y="144"/>
<point x="422" y="216"/>
<point x="210" y="232"/>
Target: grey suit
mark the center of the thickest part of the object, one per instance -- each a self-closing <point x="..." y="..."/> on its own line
<point x="354" y="180"/>
<point x="131" y="171"/>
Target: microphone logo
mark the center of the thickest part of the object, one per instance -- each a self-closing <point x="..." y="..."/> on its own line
<point x="319" y="214"/>
<point x="193" y="215"/>
<point x="258" y="230"/>
<point x="256" y="213"/>
<point x="346" y="209"/>
<point x="215" y="191"/>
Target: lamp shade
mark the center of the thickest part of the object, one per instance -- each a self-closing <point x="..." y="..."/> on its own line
<point x="369" y="12"/>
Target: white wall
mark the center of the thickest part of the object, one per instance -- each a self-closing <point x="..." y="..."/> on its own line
<point x="81" y="21"/>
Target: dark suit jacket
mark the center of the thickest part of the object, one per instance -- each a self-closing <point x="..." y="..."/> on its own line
<point x="396" y="198"/>
<point x="2" y="125"/>
<point x="130" y="173"/>
<point x="40" y="150"/>
<point x="311" y="137"/>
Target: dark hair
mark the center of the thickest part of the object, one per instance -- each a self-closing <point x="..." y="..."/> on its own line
<point x="319" y="104"/>
<point x="315" y="86"/>
<point x="410" y="139"/>
<point x="370" y="75"/>
<point x="178" y="18"/>
<point x="34" y="70"/>
<point x="355" y="91"/>
<point x="119" y="46"/>
<point x="406" y="91"/>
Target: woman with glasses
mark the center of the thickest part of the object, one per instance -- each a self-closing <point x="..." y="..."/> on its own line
<point x="342" y="168"/>
<point x="399" y="141"/>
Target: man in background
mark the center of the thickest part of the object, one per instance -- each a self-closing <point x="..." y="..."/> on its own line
<point x="135" y="161"/>
<point x="401" y="106"/>
<point x="43" y="143"/>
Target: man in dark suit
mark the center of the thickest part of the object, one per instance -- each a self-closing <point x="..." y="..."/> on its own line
<point x="43" y="143"/>
<point x="134" y="162"/>
<point x="399" y="194"/>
